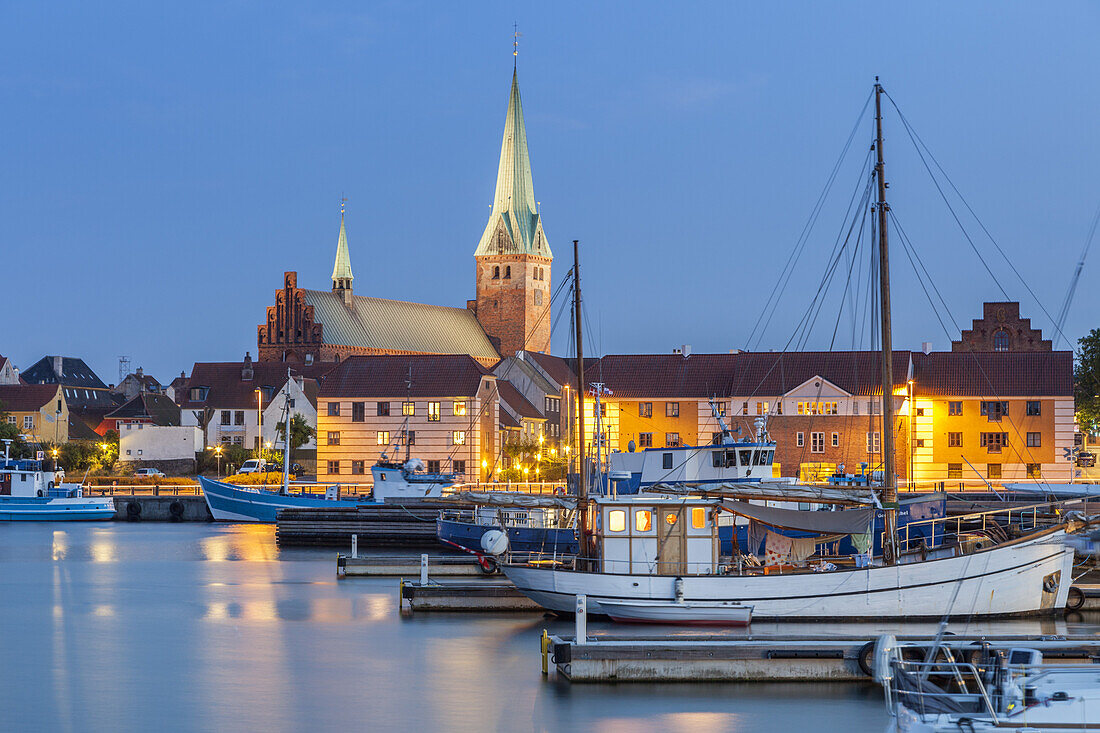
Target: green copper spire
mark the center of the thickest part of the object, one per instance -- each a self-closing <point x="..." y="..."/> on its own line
<point x="515" y="226"/>
<point x="341" y="271"/>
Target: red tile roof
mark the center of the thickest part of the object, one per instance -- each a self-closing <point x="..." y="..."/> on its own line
<point x="994" y="373"/>
<point x="26" y="397"/>
<point x="155" y="407"/>
<point x="559" y="369"/>
<point x="743" y="374"/>
<point x="433" y="375"/>
<point x="229" y="389"/>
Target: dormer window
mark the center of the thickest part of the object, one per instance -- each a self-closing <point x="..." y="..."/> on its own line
<point x="198" y="394"/>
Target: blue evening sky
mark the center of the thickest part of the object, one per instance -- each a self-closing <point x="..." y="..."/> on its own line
<point x="164" y="163"/>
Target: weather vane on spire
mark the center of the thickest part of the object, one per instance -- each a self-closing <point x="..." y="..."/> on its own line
<point x="343" y="200"/>
<point x="515" y="43"/>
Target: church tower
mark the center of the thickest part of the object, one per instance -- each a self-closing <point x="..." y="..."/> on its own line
<point x="341" y="270"/>
<point x="513" y="257"/>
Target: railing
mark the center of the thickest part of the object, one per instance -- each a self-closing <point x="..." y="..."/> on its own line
<point x="1027" y="518"/>
<point x="920" y="697"/>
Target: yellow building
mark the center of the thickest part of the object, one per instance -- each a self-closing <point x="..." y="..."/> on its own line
<point x="38" y="410"/>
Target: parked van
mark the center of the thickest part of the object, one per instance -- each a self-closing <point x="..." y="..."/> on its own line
<point x="254" y="465"/>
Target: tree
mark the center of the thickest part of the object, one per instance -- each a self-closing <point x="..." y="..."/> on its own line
<point x="10" y="431"/>
<point x="1086" y="382"/>
<point x="300" y="433"/>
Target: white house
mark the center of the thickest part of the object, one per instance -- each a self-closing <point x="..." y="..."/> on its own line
<point x="171" y="448"/>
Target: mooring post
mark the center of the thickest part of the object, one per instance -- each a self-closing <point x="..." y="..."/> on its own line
<point x="423" y="569"/>
<point x="355" y="547"/>
<point x="545" y="644"/>
<point x="582" y="619"/>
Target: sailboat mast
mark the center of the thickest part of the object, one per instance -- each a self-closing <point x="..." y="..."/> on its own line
<point x="286" y="435"/>
<point x="890" y="486"/>
<point x="582" y="486"/>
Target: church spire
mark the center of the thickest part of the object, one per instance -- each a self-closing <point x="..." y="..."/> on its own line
<point x="515" y="226"/>
<point x="341" y="270"/>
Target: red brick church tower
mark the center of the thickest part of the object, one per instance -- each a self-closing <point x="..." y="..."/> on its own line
<point x="513" y="257"/>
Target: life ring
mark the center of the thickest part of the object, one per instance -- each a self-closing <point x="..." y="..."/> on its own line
<point x="133" y="511"/>
<point x="1075" y="601"/>
<point x="175" y="510"/>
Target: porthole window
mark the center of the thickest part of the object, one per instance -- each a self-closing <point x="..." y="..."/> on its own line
<point x="670" y="518"/>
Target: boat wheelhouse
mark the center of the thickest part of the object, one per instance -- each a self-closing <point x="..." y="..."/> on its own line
<point x="34" y="490"/>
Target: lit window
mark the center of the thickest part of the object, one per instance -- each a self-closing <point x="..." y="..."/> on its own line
<point x="433" y="412"/>
<point x="460" y="408"/>
<point x="643" y="520"/>
<point x="333" y="437"/>
<point x="836" y="440"/>
<point x="1034" y="470"/>
<point x="670" y="518"/>
<point x="383" y="437"/>
<point x="408" y="408"/>
<point x="800" y="438"/>
<point x="616" y="520"/>
<point x="954" y="408"/>
<point x="698" y="517"/>
<point x="459" y="437"/>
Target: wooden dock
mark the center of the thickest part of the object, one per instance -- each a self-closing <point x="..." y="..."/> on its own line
<point x="488" y="595"/>
<point x="391" y="566"/>
<point x="390" y="525"/>
<point x="763" y="659"/>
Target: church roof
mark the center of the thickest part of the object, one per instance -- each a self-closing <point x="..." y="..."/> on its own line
<point x="514" y="206"/>
<point x="394" y="325"/>
<point x="342" y="267"/>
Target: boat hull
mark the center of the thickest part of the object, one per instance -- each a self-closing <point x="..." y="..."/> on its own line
<point x="229" y="503"/>
<point x="520" y="539"/>
<point x="687" y="613"/>
<point x="1029" y="577"/>
<point x="34" y="509"/>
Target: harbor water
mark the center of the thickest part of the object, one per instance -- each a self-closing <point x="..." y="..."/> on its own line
<point x="182" y="627"/>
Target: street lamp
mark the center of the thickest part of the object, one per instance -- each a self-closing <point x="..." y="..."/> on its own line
<point x="259" y="423"/>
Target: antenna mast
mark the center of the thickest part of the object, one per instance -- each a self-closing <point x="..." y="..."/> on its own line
<point x="889" y="482"/>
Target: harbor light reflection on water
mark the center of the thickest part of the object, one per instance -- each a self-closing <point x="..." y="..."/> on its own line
<point x="133" y="627"/>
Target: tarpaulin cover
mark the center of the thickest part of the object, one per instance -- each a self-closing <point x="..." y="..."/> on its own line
<point x="849" y="521"/>
<point x="766" y="490"/>
<point x="511" y="498"/>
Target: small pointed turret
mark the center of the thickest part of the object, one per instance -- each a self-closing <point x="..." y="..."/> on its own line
<point x="341" y="270"/>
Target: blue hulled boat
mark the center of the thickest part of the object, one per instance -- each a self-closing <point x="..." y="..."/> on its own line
<point x="33" y="491"/>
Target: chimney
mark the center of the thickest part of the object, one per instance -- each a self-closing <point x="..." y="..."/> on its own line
<point x="926" y="346"/>
<point x="246" y="370"/>
<point x="58" y="369"/>
<point x="140" y="372"/>
<point x="685" y="350"/>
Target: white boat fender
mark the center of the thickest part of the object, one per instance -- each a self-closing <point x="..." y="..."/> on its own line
<point x="494" y="542"/>
<point x="885" y="651"/>
<point x="678" y="589"/>
<point x="41" y="493"/>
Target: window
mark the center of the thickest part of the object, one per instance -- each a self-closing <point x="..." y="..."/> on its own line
<point x="994" y="442"/>
<point x="698" y="517"/>
<point x="817" y="408"/>
<point x="496" y="272"/>
<point x="836" y="440"/>
<point x="411" y="437"/>
<point x="458" y="437"/>
<point x="226" y="440"/>
<point x="226" y="417"/>
<point x="12" y="419"/>
<point x="358" y="411"/>
<point x="238" y="417"/>
<point x="408" y="408"/>
<point x="800" y="439"/>
<point x="28" y="422"/>
<point x="1000" y="340"/>
<point x="333" y="437"/>
<point x="645" y="409"/>
<point x="383" y="437"/>
<point x="873" y="444"/>
<point x="238" y="440"/>
<point x="666" y="461"/>
<point x="1034" y="440"/>
<point x="954" y="440"/>
<point x="645" y="440"/>
<point x="198" y="394"/>
<point x="537" y="297"/>
<point x="1034" y="407"/>
<point x="672" y="440"/>
<point x="672" y="409"/>
<point x="334" y="409"/>
<point x="920" y="412"/>
<point x="433" y="412"/>
<point x="553" y="404"/>
<point x="643" y="520"/>
<point x="383" y="410"/>
<point x="721" y="407"/>
<point x="993" y="470"/>
<point x="433" y="466"/>
<point x="954" y="470"/>
<point x="460" y="408"/>
<point x="918" y="443"/>
<point x="744" y="408"/>
<point x="358" y="467"/>
<point x="458" y="467"/>
<point x="817" y="442"/>
<point x="716" y="438"/>
<point x="855" y="407"/>
<point x="334" y="467"/>
<point x="954" y="408"/>
<point x="508" y="271"/>
<point x="616" y="520"/>
<point x="994" y="411"/>
<point x="1034" y="470"/>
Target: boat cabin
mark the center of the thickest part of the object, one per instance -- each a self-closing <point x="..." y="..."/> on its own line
<point x="23" y="477"/>
<point x="658" y="535"/>
<point x="722" y="463"/>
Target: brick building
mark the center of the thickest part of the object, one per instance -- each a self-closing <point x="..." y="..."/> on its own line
<point x="1001" y="329"/>
<point x="443" y="407"/>
<point x="510" y="311"/>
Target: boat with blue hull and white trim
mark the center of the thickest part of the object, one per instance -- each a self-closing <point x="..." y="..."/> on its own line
<point x="34" y="491"/>
<point x="531" y="522"/>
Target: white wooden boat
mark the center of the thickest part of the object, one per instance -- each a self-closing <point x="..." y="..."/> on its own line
<point x="34" y="491"/>
<point x="711" y="613"/>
